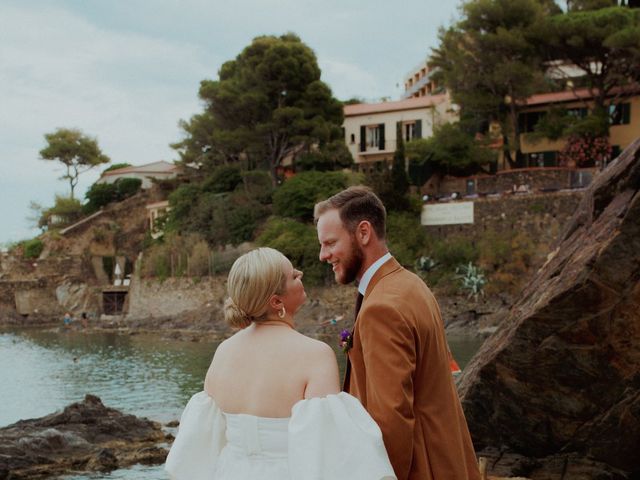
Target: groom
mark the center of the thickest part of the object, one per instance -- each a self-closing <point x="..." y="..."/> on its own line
<point x="398" y="365"/>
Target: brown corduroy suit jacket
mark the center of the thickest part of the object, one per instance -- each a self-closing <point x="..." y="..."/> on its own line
<point x="398" y="367"/>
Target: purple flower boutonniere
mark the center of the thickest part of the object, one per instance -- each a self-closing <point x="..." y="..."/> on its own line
<point x="346" y="340"/>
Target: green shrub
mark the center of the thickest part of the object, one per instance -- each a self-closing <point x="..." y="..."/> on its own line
<point x="99" y="195"/>
<point x="333" y="156"/>
<point x="258" y="186"/>
<point x="297" y="196"/>
<point x="299" y="242"/>
<point x="126" y="187"/>
<point x="406" y="237"/>
<point x="65" y="211"/>
<point x="32" y="248"/>
<point x="450" y="253"/>
<point x="102" y="194"/>
<point x="224" y="178"/>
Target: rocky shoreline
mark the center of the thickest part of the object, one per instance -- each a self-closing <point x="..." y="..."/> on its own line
<point x="85" y="437"/>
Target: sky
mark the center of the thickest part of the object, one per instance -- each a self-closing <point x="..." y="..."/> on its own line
<point x="127" y="71"/>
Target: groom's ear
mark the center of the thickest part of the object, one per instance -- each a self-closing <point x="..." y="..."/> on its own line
<point x="363" y="232"/>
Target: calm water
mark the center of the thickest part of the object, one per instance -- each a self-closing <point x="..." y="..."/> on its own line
<point x="43" y="371"/>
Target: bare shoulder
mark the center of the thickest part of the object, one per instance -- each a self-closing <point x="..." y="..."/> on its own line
<point x="316" y="347"/>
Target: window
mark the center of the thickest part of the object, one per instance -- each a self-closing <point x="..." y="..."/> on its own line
<point x="620" y="114"/>
<point x="541" y="159"/>
<point x="528" y="121"/>
<point x="580" y="112"/>
<point x="409" y="130"/>
<point x="373" y="136"/>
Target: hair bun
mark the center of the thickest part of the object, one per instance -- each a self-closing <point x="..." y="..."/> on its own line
<point x="234" y="315"/>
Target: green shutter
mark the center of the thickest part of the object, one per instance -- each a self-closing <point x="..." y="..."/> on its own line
<point x="381" y="144"/>
<point x="418" y="130"/>
<point x="363" y="138"/>
<point x="626" y="113"/>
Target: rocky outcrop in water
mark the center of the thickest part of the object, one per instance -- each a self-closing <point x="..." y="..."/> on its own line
<point x="86" y="436"/>
<point x="557" y="387"/>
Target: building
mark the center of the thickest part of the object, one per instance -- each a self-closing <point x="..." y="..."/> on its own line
<point x="159" y="170"/>
<point x="371" y="128"/>
<point x="624" y="129"/>
<point x="419" y="82"/>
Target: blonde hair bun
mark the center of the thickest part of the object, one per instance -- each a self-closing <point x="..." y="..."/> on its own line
<point x="253" y="278"/>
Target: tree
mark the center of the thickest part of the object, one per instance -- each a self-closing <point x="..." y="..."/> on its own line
<point x="450" y="151"/>
<point x="269" y="103"/>
<point x="489" y="62"/>
<point x="604" y="44"/>
<point x="76" y="151"/>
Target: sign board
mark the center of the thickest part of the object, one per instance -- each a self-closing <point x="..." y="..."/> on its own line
<point x="453" y="213"/>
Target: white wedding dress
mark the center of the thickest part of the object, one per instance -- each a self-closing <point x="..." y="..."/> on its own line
<point x="329" y="438"/>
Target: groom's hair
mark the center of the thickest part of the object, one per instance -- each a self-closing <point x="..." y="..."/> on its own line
<point x="354" y="205"/>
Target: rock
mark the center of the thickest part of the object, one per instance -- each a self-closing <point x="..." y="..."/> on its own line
<point x="560" y="379"/>
<point x="85" y="436"/>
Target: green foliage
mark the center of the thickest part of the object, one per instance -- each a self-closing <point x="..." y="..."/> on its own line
<point x="224" y="178"/>
<point x="604" y="43"/>
<point x="490" y="62"/>
<point x="299" y="243"/>
<point x="267" y="104"/>
<point x="76" y="151"/>
<point x="333" y="156"/>
<point x="297" y="196"/>
<point x="65" y="211"/>
<point x="450" y="151"/>
<point x="179" y="256"/>
<point x="221" y="218"/>
<point x="507" y="258"/>
<point x="101" y="194"/>
<point x="126" y="187"/>
<point x="116" y="166"/>
<point x="405" y="236"/>
<point x="257" y="185"/>
<point x="32" y="248"/>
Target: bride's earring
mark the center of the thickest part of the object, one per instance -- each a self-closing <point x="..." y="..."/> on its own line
<point x="282" y="312"/>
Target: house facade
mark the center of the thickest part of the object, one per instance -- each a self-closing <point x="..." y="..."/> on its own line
<point x="624" y="125"/>
<point x="370" y="129"/>
<point x="158" y="170"/>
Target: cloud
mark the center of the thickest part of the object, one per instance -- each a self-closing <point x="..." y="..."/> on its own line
<point x="58" y="70"/>
<point x="350" y="79"/>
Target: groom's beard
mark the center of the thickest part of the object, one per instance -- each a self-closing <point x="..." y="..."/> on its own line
<point x="352" y="264"/>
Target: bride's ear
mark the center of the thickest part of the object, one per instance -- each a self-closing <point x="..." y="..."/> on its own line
<point x="275" y="303"/>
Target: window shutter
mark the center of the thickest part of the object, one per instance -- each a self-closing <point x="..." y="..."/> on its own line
<point x="363" y="138"/>
<point x="418" y="129"/>
<point x="381" y="144"/>
<point x="626" y="113"/>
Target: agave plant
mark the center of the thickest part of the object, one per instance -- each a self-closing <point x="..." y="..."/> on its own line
<point x="425" y="263"/>
<point x="472" y="279"/>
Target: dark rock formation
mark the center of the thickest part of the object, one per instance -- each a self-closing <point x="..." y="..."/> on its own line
<point x="559" y="381"/>
<point x="86" y="436"/>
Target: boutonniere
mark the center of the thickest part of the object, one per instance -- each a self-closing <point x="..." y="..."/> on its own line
<point x="346" y="340"/>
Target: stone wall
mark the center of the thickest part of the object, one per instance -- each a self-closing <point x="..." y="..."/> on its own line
<point x="173" y="296"/>
<point x="541" y="216"/>
<point x="528" y="179"/>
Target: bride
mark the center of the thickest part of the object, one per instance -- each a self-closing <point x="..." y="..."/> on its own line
<point x="271" y="408"/>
